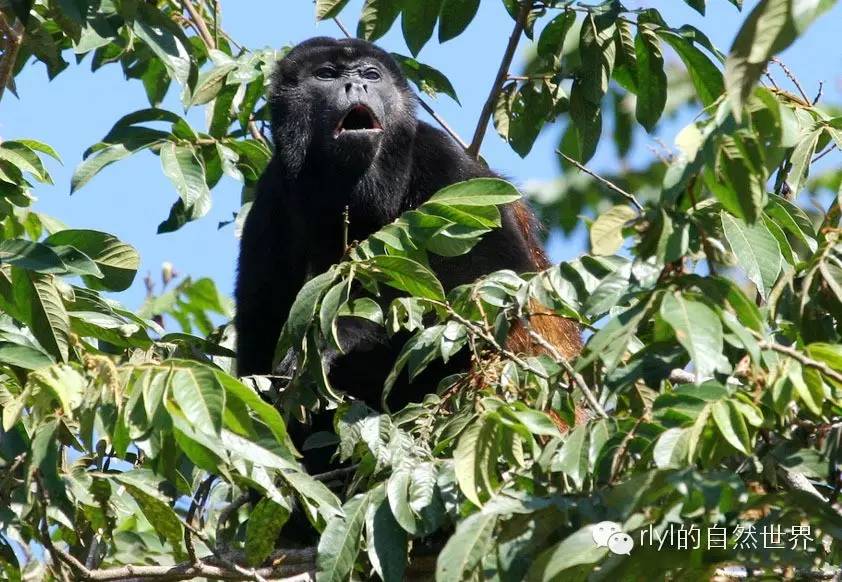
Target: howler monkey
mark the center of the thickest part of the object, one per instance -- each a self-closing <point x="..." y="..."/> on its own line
<point x="346" y="135"/>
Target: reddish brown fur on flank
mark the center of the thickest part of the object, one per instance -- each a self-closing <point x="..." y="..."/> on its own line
<point x="560" y="332"/>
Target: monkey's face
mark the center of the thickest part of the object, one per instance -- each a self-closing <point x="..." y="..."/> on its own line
<point x="338" y="106"/>
<point x="352" y="108"/>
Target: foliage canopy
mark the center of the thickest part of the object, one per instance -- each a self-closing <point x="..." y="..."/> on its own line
<point x="711" y="297"/>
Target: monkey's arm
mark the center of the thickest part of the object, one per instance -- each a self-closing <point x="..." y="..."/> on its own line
<point x="271" y="271"/>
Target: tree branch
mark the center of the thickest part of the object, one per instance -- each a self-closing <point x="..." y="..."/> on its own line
<point x="14" y="38"/>
<point x="485" y="115"/>
<point x="611" y="185"/>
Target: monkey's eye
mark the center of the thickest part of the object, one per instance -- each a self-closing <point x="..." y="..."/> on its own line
<point x="371" y="75"/>
<point x="326" y="73"/>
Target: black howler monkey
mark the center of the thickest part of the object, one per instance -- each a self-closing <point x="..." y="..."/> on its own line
<point x="346" y="134"/>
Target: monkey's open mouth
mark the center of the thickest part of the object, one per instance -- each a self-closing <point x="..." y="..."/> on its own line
<point x="358" y="118"/>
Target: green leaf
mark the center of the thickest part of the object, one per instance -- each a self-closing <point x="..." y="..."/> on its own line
<point x="31" y="255"/>
<point x="198" y="393"/>
<point x="408" y="275"/>
<point x="697" y="5"/>
<point x="651" y="78"/>
<point x="167" y="46"/>
<point x="476" y="192"/>
<point x="475" y="459"/>
<point x="551" y="41"/>
<point x="469" y="545"/>
<point x="417" y="21"/>
<point x="340" y="541"/>
<point x="455" y="17"/>
<point x="377" y="18"/>
<point x="387" y="543"/>
<point x="756" y="250"/>
<point x="577" y="549"/>
<point x="117" y="260"/>
<point x="264" y="524"/>
<point x="43" y="310"/>
<point x="607" y="230"/>
<point x="160" y="515"/>
<point x="699" y="330"/>
<point x="428" y="79"/>
<point x="210" y="83"/>
<point x="93" y="164"/>
<point x="183" y="167"/>
<point x="329" y="8"/>
<point x="731" y="424"/>
<point x="706" y="77"/>
<point x="769" y="29"/>
<point x="801" y="158"/>
<point x="573" y="457"/>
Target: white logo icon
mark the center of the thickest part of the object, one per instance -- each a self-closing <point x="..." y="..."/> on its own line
<point x="604" y="530"/>
<point x="620" y="543"/>
<point x="610" y="534"/>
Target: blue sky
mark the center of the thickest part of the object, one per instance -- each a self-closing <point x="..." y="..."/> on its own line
<point x="131" y="197"/>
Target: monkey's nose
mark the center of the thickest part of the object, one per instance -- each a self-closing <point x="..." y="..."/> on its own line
<point x="352" y="89"/>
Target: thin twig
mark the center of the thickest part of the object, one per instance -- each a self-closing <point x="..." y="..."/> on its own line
<point x="228" y="510"/>
<point x="341" y="27"/>
<point x="200" y="23"/>
<point x="611" y="185"/>
<point x="209" y="40"/>
<point x="444" y="125"/>
<point x="819" y="94"/>
<point x="791" y="76"/>
<point x="335" y="474"/>
<point x="14" y="39"/>
<point x="798" y="356"/>
<point x="577" y="377"/>
<point x="832" y="147"/>
<point x="198" y="500"/>
<point x="499" y="80"/>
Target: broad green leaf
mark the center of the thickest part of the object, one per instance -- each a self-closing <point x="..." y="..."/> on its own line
<point x="455" y="17"/>
<point x="340" y="542"/>
<point x="671" y="449"/>
<point x="417" y="21"/>
<point x="756" y="250"/>
<point x="428" y="79"/>
<point x="96" y="162"/>
<point x="408" y="275"/>
<point x="167" y="46"/>
<point x="377" y="17"/>
<point x="387" y="543"/>
<point x="475" y="459"/>
<point x="572" y="459"/>
<point x="158" y="512"/>
<point x="39" y="298"/>
<point x="699" y="330"/>
<point x="551" y="41"/>
<point x="183" y="167"/>
<point x="801" y="158"/>
<point x="264" y="524"/>
<point x="469" y="545"/>
<point x="199" y="395"/>
<point x="31" y="256"/>
<point x="607" y="230"/>
<point x="651" y="78"/>
<point x="706" y="77"/>
<point x="476" y="192"/>
<point x="732" y="425"/>
<point x="329" y="8"/>
<point x="117" y="260"/>
<point x="577" y="549"/>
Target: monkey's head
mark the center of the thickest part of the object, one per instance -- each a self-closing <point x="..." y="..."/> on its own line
<point x="336" y="104"/>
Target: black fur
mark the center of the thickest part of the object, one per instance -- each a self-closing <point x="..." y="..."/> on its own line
<point x="294" y="229"/>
